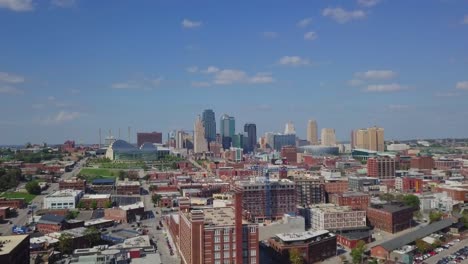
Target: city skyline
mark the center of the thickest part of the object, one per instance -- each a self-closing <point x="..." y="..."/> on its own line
<point x="347" y="64"/>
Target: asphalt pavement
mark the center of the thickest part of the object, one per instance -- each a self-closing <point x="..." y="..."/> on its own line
<point x="445" y="253"/>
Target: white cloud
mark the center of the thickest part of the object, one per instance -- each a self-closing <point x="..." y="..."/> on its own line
<point x="192" y="69"/>
<point x="465" y="20"/>
<point x="211" y="69"/>
<point x="10" y="90"/>
<point x="10" y="78"/>
<point x="462" y="85"/>
<point x="293" y="61"/>
<point x="142" y="84"/>
<point x="17" y="5"/>
<point x="310" y="35"/>
<point x="342" y="16"/>
<point x="398" y="107"/>
<point x="393" y="87"/>
<point x="376" y="75"/>
<point x="186" y="23"/>
<point x="201" y="84"/>
<point x="368" y="3"/>
<point x="355" y="82"/>
<point x="270" y="34"/>
<point x="262" y="77"/>
<point x="63" y="3"/>
<point x="304" y="22"/>
<point x="229" y="76"/>
<point x="62" y="117"/>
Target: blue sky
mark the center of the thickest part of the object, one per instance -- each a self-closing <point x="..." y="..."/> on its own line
<point x="68" y="68"/>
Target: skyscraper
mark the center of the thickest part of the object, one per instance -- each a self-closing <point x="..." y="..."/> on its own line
<point x="251" y="130"/>
<point x="371" y="139"/>
<point x="209" y="122"/>
<point x="328" y="137"/>
<point x="289" y="129"/>
<point x="199" y="141"/>
<point x="312" y="132"/>
<point x="227" y="130"/>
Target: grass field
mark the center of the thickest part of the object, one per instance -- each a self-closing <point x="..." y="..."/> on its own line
<point x="91" y="173"/>
<point x="27" y="197"/>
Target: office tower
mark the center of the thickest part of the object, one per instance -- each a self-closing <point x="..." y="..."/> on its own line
<point x="269" y="139"/>
<point x="283" y="140"/>
<point x="153" y="137"/>
<point x="289" y="129"/>
<point x="238" y="141"/>
<point x="312" y="132"/>
<point x="328" y="137"/>
<point x="200" y="144"/>
<point x="227" y="130"/>
<point x="251" y="142"/>
<point x="209" y="122"/>
<point x="371" y="139"/>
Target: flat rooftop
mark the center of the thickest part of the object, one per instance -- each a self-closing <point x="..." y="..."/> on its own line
<point x="96" y="196"/>
<point x="218" y="216"/>
<point x="337" y="209"/>
<point x="291" y="237"/>
<point x="353" y="194"/>
<point x="64" y="193"/>
<point x="128" y="183"/>
<point x="11" y="242"/>
<point x="391" y="208"/>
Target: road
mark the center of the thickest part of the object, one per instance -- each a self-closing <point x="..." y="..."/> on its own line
<point x="445" y="253"/>
<point x="159" y="236"/>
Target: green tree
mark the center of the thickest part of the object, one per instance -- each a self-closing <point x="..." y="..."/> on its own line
<point x="156" y="198"/>
<point x="72" y="214"/>
<point x="295" y="256"/>
<point x="65" y="243"/>
<point x="92" y="235"/>
<point x="434" y="216"/>
<point x="81" y="205"/>
<point x="122" y="175"/>
<point x="33" y="187"/>
<point x="422" y="246"/>
<point x="358" y="252"/>
<point x="411" y="200"/>
<point x="108" y="204"/>
<point x="387" y="197"/>
<point x="373" y="261"/>
<point x="94" y="205"/>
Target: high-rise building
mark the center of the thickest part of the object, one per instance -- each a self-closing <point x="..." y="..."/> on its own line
<point x="371" y="139"/>
<point x="153" y="137"/>
<point x="328" y="137"/>
<point x="251" y="130"/>
<point x="289" y="153"/>
<point x="312" y="136"/>
<point x="309" y="190"/>
<point x="209" y="122"/>
<point x="283" y="140"/>
<point x="238" y="140"/>
<point x="227" y="130"/>
<point x="381" y="167"/>
<point x="289" y="129"/>
<point x="199" y="141"/>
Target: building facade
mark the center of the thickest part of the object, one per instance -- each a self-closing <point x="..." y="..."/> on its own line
<point x="227" y="129"/>
<point x="15" y="249"/>
<point x="328" y="137"/>
<point x="251" y="130"/>
<point x="333" y="217"/>
<point x="355" y="200"/>
<point x="64" y="199"/>
<point x="422" y="163"/>
<point x="209" y="123"/>
<point x="309" y="190"/>
<point x="199" y="141"/>
<point x="289" y="153"/>
<point x="390" y="218"/>
<point x="369" y="138"/>
<point x="359" y="183"/>
<point x="312" y="134"/>
<point x="152" y="137"/>
<point x="73" y="184"/>
<point x="381" y="167"/>
<point x="283" y="140"/>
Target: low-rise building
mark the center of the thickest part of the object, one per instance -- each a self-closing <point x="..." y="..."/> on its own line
<point x="51" y="223"/>
<point x="14" y="249"/>
<point x="350" y="239"/>
<point x="12" y="203"/>
<point x="102" y="186"/>
<point x="359" y="183"/>
<point x="458" y="192"/>
<point x="312" y="246"/>
<point x="63" y="199"/>
<point x="390" y="218"/>
<point x="73" y="184"/>
<point x="356" y="200"/>
<point x="288" y="224"/>
<point x="125" y="214"/>
<point x="128" y="187"/>
<point x="409" y="184"/>
<point x="333" y="217"/>
<point x="101" y="200"/>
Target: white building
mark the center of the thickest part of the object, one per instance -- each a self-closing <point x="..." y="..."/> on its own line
<point x="397" y="147"/>
<point x="437" y="201"/>
<point x="200" y="144"/>
<point x="63" y="199"/>
<point x="333" y="217"/>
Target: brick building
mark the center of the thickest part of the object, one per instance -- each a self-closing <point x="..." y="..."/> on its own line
<point x="289" y="153"/>
<point x="381" y="167"/>
<point x="214" y="235"/>
<point x="309" y="190"/>
<point x="51" y="223"/>
<point x="313" y="246"/>
<point x="336" y="187"/>
<point x="356" y="200"/>
<point x="153" y="137"/>
<point x="456" y="192"/>
<point x="15" y="249"/>
<point x="73" y="184"/>
<point x="263" y="201"/>
<point x="125" y="214"/>
<point x="407" y="184"/>
<point x="391" y="218"/>
<point x="350" y="239"/>
<point x="128" y="187"/>
<point x="102" y="200"/>
<point x="12" y="203"/>
<point x="447" y="164"/>
<point x="422" y="163"/>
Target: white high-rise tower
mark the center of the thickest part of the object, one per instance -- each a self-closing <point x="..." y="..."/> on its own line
<point x="312" y="136"/>
<point x="289" y="129"/>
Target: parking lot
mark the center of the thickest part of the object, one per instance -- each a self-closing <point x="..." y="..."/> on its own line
<point x="449" y="256"/>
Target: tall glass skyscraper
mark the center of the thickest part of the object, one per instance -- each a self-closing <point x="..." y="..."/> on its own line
<point x="251" y="141"/>
<point x="227" y="130"/>
<point x="209" y="122"/>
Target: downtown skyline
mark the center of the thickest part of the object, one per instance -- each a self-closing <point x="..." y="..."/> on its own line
<point x="156" y="66"/>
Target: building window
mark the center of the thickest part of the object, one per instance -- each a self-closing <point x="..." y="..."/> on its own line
<point x="253" y="252"/>
<point x="217" y="232"/>
<point x="226" y="238"/>
<point x="217" y="255"/>
<point x="217" y="239"/>
<point x="217" y="247"/>
<point x="253" y="261"/>
<point x="253" y="230"/>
